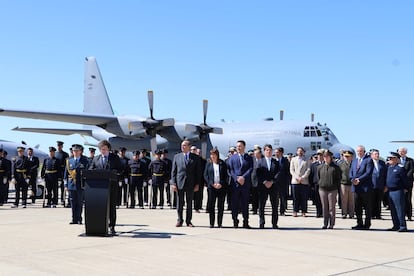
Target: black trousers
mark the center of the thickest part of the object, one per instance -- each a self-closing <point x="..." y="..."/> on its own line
<point x="264" y="193"/>
<point x="51" y="181"/>
<point x="408" y="203"/>
<point x="33" y="185"/>
<point x="136" y="184"/>
<point x="363" y="200"/>
<point x="122" y="193"/>
<point x="21" y="185"/>
<point x="219" y="196"/>
<point x="155" y="189"/>
<point x="377" y="196"/>
<point x="188" y="194"/>
<point x="113" y="195"/>
<point x="198" y="198"/>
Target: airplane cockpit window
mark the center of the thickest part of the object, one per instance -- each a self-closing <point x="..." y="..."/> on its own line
<point x="312" y="131"/>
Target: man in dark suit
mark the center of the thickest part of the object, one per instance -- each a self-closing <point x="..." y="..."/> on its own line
<point x="185" y="177"/>
<point x="283" y="178"/>
<point x="379" y="176"/>
<point x="267" y="174"/>
<point x="108" y="161"/>
<point x="408" y="164"/>
<point x="361" y="178"/>
<point x="240" y="168"/>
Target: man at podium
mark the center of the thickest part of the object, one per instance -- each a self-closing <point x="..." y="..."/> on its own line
<point x="106" y="160"/>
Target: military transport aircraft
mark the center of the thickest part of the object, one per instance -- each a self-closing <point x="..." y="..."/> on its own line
<point x="136" y="132"/>
<point x="11" y="148"/>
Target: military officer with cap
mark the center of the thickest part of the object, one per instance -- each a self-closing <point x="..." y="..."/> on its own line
<point x="156" y="170"/>
<point x="50" y="173"/>
<point x="147" y="160"/>
<point x="62" y="156"/>
<point x="138" y="171"/>
<point x="73" y="180"/>
<point x="8" y="174"/>
<point x="167" y="177"/>
<point x="20" y="169"/>
<point x="4" y="177"/>
<point x="91" y="154"/>
<point x="397" y="186"/>
<point x="122" y="189"/>
<point x="33" y="168"/>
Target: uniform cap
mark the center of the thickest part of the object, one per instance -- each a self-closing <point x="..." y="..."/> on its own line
<point x="122" y="149"/>
<point x="394" y="154"/>
<point x="328" y="153"/>
<point x="164" y="151"/>
<point x="21" y="148"/>
<point x="232" y="149"/>
<point x="158" y="152"/>
<point x="59" y="143"/>
<point x="92" y="149"/>
<point x="77" y="147"/>
<point x="136" y="152"/>
<point x="348" y="153"/>
<point x="52" y="149"/>
<point x="320" y="151"/>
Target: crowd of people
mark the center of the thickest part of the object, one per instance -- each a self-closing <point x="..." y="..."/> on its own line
<point x="360" y="185"/>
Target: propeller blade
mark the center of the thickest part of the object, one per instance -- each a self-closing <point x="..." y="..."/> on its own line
<point x="168" y="122"/>
<point x="217" y="130"/>
<point x="151" y="103"/>
<point x="153" y="142"/>
<point x="205" y="106"/>
<point x="204" y="149"/>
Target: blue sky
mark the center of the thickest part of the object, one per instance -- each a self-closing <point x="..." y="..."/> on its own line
<point x="349" y="62"/>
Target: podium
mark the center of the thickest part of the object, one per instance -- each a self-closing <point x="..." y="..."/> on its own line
<point x="97" y="185"/>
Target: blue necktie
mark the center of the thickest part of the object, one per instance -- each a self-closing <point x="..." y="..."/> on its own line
<point x="241" y="159"/>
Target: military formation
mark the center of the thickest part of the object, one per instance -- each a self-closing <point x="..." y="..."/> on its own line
<point x="359" y="185"/>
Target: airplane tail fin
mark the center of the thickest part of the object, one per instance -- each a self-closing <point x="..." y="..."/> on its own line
<point x="95" y="100"/>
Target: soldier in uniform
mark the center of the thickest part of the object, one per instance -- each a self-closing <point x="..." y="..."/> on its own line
<point x="167" y="177"/>
<point x="147" y="160"/>
<point x="8" y="165"/>
<point x="397" y="186"/>
<point x="138" y="171"/>
<point x="51" y="173"/>
<point x="73" y="179"/>
<point x="4" y="177"/>
<point x="156" y="170"/>
<point x="33" y="167"/>
<point x="122" y="189"/>
<point x="20" y="169"/>
<point x="91" y="154"/>
<point x="62" y="156"/>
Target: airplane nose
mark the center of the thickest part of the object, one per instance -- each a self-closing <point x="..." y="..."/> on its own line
<point x="337" y="148"/>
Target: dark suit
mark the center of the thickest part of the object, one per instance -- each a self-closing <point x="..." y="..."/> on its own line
<point x="240" y="193"/>
<point x="379" y="177"/>
<point x="185" y="174"/>
<point x="283" y="183"/>
<point x="4" y="179"/>
<point x="213" y="193"/>
<point x="363" y="191"/>
<point x="409" y="168"/>
<point x="266" y="174"/>
<point x="254" y="191"/>
<point x="113" y="164"/>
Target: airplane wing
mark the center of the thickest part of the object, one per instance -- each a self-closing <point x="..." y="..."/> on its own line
<point x="403" y="141"/>
<point x="59" y="131"/>
<point x="77" y="118"/>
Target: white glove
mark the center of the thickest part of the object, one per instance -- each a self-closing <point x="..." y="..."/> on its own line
<point x="59" y="182"/>
<point x="120" y="183"/>
<point x="145" y="184"/>
<point x="4" y="179"/>
<point x="13" y="181"/>
<point x="126" y="180"/>
<point x="150" y="182"/>
<point x="27" y="180"/>
<point x="65" y="182"/>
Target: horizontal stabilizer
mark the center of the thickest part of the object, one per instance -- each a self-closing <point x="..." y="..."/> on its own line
<point x="403" y="141"/>
<point x="76" y="118"/>
<point x="59" y="131"/>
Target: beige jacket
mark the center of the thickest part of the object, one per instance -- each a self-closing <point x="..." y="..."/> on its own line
<point x="302" y="171"/>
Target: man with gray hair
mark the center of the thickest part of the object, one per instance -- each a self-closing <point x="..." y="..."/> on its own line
<point x="408" y="165"/>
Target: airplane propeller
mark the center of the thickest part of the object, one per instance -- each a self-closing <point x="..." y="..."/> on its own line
<point x="203" y="130"/>
<point x="150" y="126"/>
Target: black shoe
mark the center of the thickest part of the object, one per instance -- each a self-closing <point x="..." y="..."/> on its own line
<point x="275" y="227"/>
<point x="246" y="225"/>
<point x="325" y="227"/>
<point x="393" y="229"/>
<point x="211" y="226"/>
<point x="190" y="224"/>
<point x="261" y="226"/>
<point x="112" y="231"/>
<point x="402" y="230"/>
<point x="14" y="206"/>
<point x="219" y="226"/>
<point x="358" y="227"/>
<point x="24" y="206"/>
<point x="236" y="223"/>
<point x="73" y="222"/>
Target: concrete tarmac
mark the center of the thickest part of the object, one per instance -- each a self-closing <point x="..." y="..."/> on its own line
<point x="40" y="241"/>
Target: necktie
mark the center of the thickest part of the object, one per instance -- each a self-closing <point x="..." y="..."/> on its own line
<point x="359" y="162"/>
<point x="103" y="161"/>
<point x="402" y="161"/>
<point x="186" y="158"/>
<point x="241" y="159"/>
<point x="76" y="162"/>
<point x="268" y="163"/>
